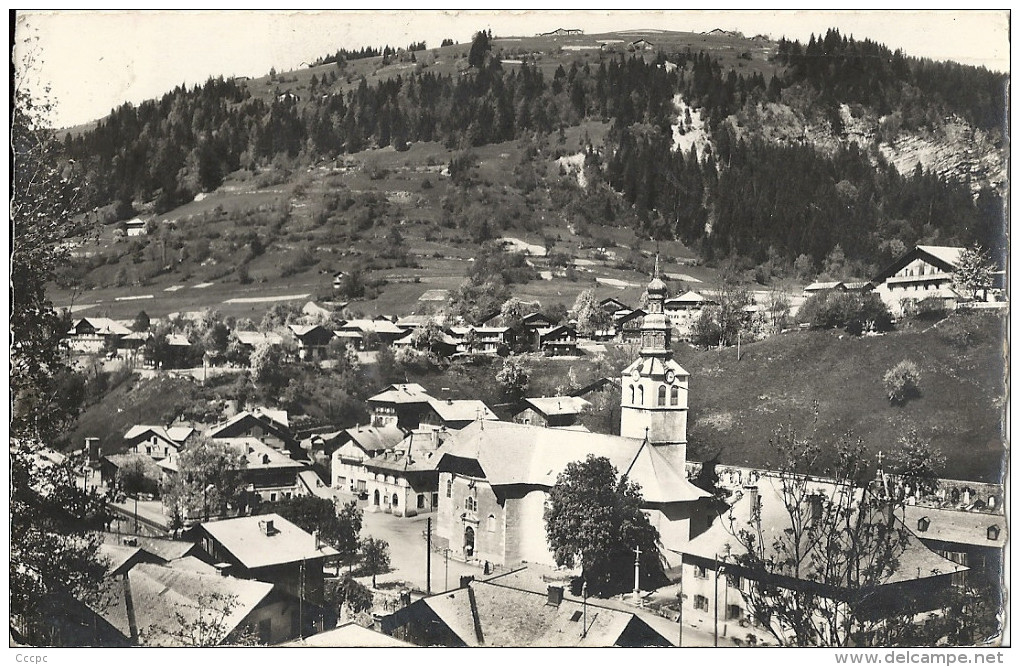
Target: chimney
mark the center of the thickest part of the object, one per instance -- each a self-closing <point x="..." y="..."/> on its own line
<point x="466" y="579"/>
<point x="315" y="540"/>
<point x="555" y="595"/>
<point x="266" y="526"/>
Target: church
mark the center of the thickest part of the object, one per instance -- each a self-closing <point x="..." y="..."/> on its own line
<point x="495" y="476"/>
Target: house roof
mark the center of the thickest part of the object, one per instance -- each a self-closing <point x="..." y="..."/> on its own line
<point x="178" y="340"/>
<point x="192" y="564"/>
<point x="461" y="410"/>
<point x="945" y="257"/>
<point x="505" y="616"/>
<point x="956" y="526"/>
<point x="655" y="367"/>
<point x="160" y="596"/>
<point x="277" y="419"/>
<point x="418" y="452"/>
<point x="558" y="405"/>
<point x="911" y="558"/>
<point x="375" y="438"/>
<point x="174" y="434"/>
<point x="253" y="338"/>
<point x="372" y="326"/>
<point x="510" y="453"/>
<point x="402" y="394"/>
<point x="348" y="635"/>
<point x="168" y="550"/>
<point x="302" y="330"/>
<point x="819" y="286"/>
<point x="103" y="326"/>
<point x="244" y="539"/>
<point x="690" y="297"/>
<point x="118" y="556"/>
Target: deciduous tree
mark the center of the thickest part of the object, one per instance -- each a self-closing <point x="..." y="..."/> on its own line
<point x="209" y="481"/>
<point x="375" y="557"/>
<point x="593" y="519"/>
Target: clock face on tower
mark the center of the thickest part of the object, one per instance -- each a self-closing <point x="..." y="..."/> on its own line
<point x="670" y="376"/>
<point x="635" y="374"/>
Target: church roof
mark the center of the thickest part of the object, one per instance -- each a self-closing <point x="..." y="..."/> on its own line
<point x="510" y="453"/>
<point x="655" y="367"/>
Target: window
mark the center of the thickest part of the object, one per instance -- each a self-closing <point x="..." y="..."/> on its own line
<point x="734" y="612"/>
<point x="700" y="572"/>
<point x="395" y="503"/>
<point x="148" y="449"/>
<point x="421" y="501"/>
<point x="632" y="393"/>
<point x="470" y="504"/>
<point x="641" y="394"/>
<point x="733" y="581"/>
<point x="701" y="602"/>
<point x="674" y="396"/>
<point x="272" y="497"/>
<point x="449" y="488"/>
<point x="492" y="523"/>
<point x="435" y="500"/>
<point x="662" y="394"/>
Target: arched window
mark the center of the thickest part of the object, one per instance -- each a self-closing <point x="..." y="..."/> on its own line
<point x="632" y="394"/>
<point x="674" y="396"/>
<point x="492" y="523"/>
<point x="394" y="500"/>
<point x="641" y="394"/>
<point x="662" y="394"/>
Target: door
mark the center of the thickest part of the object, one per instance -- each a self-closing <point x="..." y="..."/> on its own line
<point x="375" y="498"/>
<point x="469" y="541"/>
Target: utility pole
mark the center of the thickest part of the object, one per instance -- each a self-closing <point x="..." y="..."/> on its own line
<point x="428" y="557"/>
<point x="715" y="605"/>
<point x="446" y="585"/>
<point x="680" y="600"/>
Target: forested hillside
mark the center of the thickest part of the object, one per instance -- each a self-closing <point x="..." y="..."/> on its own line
<point x="745" y="194"/>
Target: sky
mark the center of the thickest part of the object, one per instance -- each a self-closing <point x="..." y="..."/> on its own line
<point x="92" y="61"/>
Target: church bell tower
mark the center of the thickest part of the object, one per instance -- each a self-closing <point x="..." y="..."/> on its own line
<point x="654" y="400"/>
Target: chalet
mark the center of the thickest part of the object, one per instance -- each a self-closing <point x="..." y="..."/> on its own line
<point x="488" y="613"/>
<point x="120" y="558"/>
<point x="400" y="405"/>
<point x="404" y="480"/>
<point x="822" y="287"/>
<point x="922" y="273"/>
<point x="976" y="539"/>
<point x="552" y="411"/>
<point x="613" y="305"/>
<point x="413" y="322"/>
<point x="110" y="464"/>
<point x="133" y="342"/>
<point x="595" y="386"/>
<point x="270" y="474"/>
<point x="356" y="445"/>
<point x="338" y="279"/>
<point x="251" y="339"/>
<point x="713" y="551"/>
<point x="92" y="335"/>
<point x="159" y="550"/>
<point x="288" y="97"/>
<point x="315" y="312"/>
<point x="627" y="324"/>
<point x="271" y="549"/>
<point x="157" y="441"/>
<point x="560" y="340"/>
<point x="155" y="605"/>
<point x="444" y="345"/>
<point x="494" y="478"/>
<point x="312" y="341"/>
<point x="484" y="339"/>
<point x="136" y="227"/>
<point x="178" y="351"/>
<point x="686" y="303"/>
<point x="267" y="426"/>
<point x="454" y="414"/>
<point x="364" y="334"/>
<point x="641" y="45"/>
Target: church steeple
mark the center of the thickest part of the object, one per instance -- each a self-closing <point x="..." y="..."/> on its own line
<point x="654" y="401"/>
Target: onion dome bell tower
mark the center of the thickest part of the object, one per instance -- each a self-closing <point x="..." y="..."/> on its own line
<point x="654" y="400"/>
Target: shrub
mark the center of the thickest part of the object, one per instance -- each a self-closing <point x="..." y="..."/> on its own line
<point x="854" y="312"/>
<point x="903" y="382"/>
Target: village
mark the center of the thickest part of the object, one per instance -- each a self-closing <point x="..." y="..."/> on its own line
<point x="458" y="497"/>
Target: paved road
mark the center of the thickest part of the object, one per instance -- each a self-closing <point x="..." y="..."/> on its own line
<point x="405" y="536"/>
